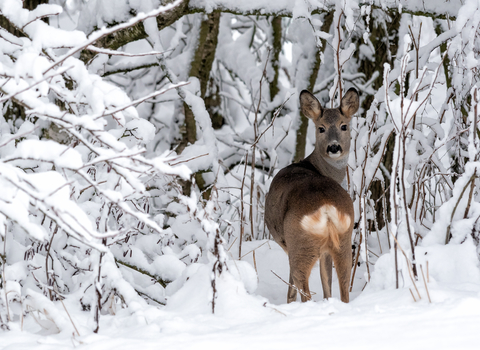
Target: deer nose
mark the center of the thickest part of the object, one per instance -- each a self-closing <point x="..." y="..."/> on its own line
<point x="334" y="149"/>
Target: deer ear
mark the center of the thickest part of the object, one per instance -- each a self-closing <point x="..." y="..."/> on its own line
<point x="350" y="102"/>
<point x="310" y="106"/>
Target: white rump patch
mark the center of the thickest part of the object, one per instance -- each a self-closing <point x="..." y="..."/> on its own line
<point x="317" y="222"/>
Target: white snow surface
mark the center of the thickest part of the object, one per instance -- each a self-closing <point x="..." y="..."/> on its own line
<point x="441" y="310"/>
<point x="379" y="317"/>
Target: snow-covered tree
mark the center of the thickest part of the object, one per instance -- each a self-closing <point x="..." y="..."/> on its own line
<point x="138" y="138"/>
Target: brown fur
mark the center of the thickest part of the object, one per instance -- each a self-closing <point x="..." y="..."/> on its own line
<point x="307" y="211"/>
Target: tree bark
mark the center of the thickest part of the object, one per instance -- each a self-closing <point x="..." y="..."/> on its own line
<point x="137" y="32"/>
<point x="276" y="49"/>
<point x="301" y="141"/>
<point x="385" y="43"/>
<point x="15" y="110"/>
<point x="27" y="4"/>
<point x="200" y="68"/>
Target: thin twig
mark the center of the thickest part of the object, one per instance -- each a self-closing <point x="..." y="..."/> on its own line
<point x="275" y="115"/>
<point x="265" y="305"/>
<point x="408" y="265"/>
<point x="253" y="250"/>
<point x="13" y="94"/>
<point x="40" y="17"/>
<point x="99" y="34"/>
<point x="149" y="297"/>
<point x="242" y="209"/>
<point x="447" y="236"/>
<point x="292" y="285"/>
<point x="4" y="263"/>
<point x="253" y="147"/>
<point x="231" y="245"/>
<point x="46" y="264"/>
<point x="189" y="159"/>
<point x="142" y="271"/>
<point x="410" y="289"/>
<point x="121" y="53"/>
<point x="428" y="273"/>
<point x="470" y="195"/>
<point x="70" y="317"/>
<point x="254" y="262"/>
<point x="425" y="282"/>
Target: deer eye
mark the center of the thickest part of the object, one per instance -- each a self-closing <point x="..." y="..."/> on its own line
<point x="344" y="127"/>
<point x="321" y="129"/>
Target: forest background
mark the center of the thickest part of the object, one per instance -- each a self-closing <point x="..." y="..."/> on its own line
<point x="138" y="140"/>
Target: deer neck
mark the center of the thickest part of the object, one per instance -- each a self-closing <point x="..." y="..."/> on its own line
<point x="332" y="168"/>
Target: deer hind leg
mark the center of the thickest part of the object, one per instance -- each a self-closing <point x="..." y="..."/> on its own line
<point x="326" y="274"/>
<point x="300" y="268"/>
<point x="292" y="292"/>
<point x="342" y="259"/>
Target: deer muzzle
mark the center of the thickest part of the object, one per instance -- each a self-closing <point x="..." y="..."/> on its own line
<point x="334" y="150"/>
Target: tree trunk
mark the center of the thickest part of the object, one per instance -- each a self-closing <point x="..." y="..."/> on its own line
<point x="302" y="129"/>
<point x="200" y="68"/>
<point x="15" y="110"/>
<point x="137" y="32"/>
<point x="385" y="43"/>
<point x="276" y="49"/>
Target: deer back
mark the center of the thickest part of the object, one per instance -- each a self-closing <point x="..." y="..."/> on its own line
<point x="298" y="198"/>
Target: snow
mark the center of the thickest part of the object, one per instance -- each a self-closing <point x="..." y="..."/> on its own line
<point x="443" y="7"/>
<point x="102" y="211"/>
<point x="60" y="155"/>
<point x="378" y="317"/>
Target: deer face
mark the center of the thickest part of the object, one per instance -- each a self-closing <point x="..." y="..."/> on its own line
<point x="332" y="124"/>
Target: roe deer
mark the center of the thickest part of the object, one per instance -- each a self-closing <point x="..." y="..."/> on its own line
<point x="307" y="211"/>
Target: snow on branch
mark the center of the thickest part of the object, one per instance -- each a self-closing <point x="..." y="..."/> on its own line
<point x="73" y="163"/>
<point x="440" y="8"/>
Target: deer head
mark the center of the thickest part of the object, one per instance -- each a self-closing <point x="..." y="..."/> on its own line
<point x="332" y="125"/>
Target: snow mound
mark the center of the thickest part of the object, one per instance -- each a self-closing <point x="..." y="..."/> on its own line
<point x="232" y="297"/>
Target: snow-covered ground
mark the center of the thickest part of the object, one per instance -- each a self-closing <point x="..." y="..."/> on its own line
<point x="65" y="202"/>
<point x="376" y="318"/>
